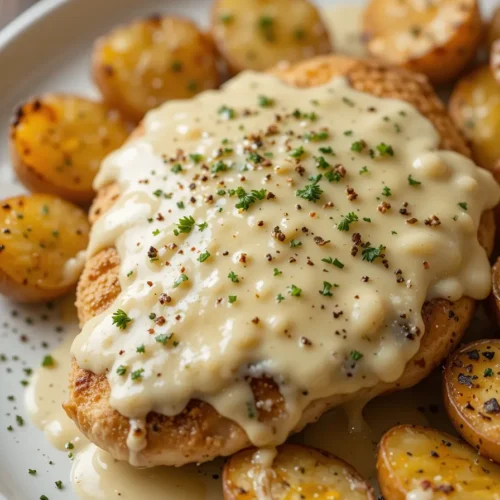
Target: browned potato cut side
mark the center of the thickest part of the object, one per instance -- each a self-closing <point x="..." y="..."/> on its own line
<point x="258" y="34"/>
<point x="139" y="66"/>
<point x="472" y="395"/>
<point x="417" y="462"/>
<point x="434" y="38"/>
<point x="495" y="60"/>
<point x="40" y="239"/>
<point x="494" y="298"/>
<point x="475" y="108"/>
<point x="57" y="143"/>
<point x="297" y="472"/>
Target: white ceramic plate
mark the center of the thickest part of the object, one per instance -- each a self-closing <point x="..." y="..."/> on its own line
<point x="48" y="49"/>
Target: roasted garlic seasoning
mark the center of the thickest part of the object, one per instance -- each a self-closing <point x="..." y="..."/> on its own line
<point x="292" y="233"/>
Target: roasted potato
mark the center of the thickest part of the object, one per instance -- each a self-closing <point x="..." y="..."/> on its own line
<point x="41" y="242"/>
<point x="472" y="395"/>
<point x="495" y="60"/>
<point x="258" y="34"/>
<point x="139" y="66"/>
<point x="494" y="298"/>
<point x="57" y="143"/>
<point x="475" y="107"/>
<point x="421" y="463"/>
<point x="297" y="473"/>
<point x="434" y="38"/>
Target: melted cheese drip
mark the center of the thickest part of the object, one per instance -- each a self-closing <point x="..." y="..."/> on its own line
<point x="348" y="328"/>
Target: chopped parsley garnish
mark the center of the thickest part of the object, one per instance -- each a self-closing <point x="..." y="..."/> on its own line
<point x="247" y="199"/>
<point x="163" y="338"/>
<point x="265" y="102"/>
<point x="185" y="225"/>
<point x="137" y="374"/>
<point x="121" y="319"/>
<point x="121" y="370"/>
<point x="32" y="472"/>
<point x="295" y="243"/>
<point x="204" y="256"/>
<point x="158" y="192"/>
<point x="334" y="262"/>
<point x="316" y="136"/>
<point x="227" y="113"/>
<point x="356" y="355"/>
<point x="254" y="157"/>
<point x="220" y="166"/>
<point x="180" y="204"/>
<point x="19" y="420"/>
<point x="413" y="182"/>
<point x="59" y="485"/>
<point x="488" y="372"/>
<point x="265" y="24"/>
<point x="326" y="292"/>
<point x="357" y="146"/>
<point x="233" y="277"/>
<point x="298" y="152"/>
<point x="196" y="157"/>
<point x="232" y="299"/>
<point x="202" y="226"/>
<point x="176" y="168"/>
<point x="385" y="150"/>
<point x="326" y="150"/>
<point x="367" y="219"/>
<point x="279" y="297"/>
<point x="156" y="232"/>
<point x="180" y="279"/>
<point x="294" y="291"/>
<point x="226" y="18"/>
<point x="311" y="192"/>
<point x="363" y="170"/>
<point x="463" y="205"/>
<point x="386" y="191"/>
<point x="48" y="361"/>
<point x="277" y="272"/>
<point x="371" y="253"/>
<point x="140" y="348"/>
<point x="348" y="101"/>
<point x="348" y="219"/>
<point x="333" y="176"/>
<point x="321" y="162"/>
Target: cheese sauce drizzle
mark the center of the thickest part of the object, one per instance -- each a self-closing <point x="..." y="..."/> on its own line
<point x="266" y="230"/>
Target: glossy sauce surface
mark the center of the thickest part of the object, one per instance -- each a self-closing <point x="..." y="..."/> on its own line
<point x="261" y="237"/>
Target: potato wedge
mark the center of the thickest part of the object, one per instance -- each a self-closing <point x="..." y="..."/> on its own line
<point x="258" y="34"/>
<point x="297" y="473"/>
<point x="57" y="143"/>
<point x="139" y="66"/>
<point x="493" y="31"/>
<point x="416" y="463"/>
<point x="434" y="38"/>
<point x="41" y="242"/>
<point x="475" y="107"/>
<point x="472" y="395"/>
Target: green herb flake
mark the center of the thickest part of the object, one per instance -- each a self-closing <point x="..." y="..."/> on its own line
<point x="326" y="292"/>
<point x="121" y="319"/>
<point x="185" y="225"/>
<point x="295" y="243"/>
<point x="227" y="113"/>
<point x="202" y="226"/>
<point x="386" y="191"/>
<point x="48" y="361"/>
<point x="232" y="299"/>
<point x="121" y="370"/>
<point x="247" y="199"/>
<point x="141" y="349"/>
<point x="463" y="205"/>
<point x="316" y="136"/>
<point x="203" y="256"/>
<point x="233" y="277"/>
<point x="385" y="150"/>
<point x="265" y="102"/>
<point x="163" y="338"/>
<point x="32" y="472"/>
<point x="277" y="272"/>
<point x="356" y="355"/>
<point x="297" y="152"/>
<point x="294" y="291"/>
<point x="348" y="219"/>
<point x="137" y="374"/>
<point x="311" y="192"/>
<point x="177" y="168"/>
<point x="413" y="182"/>
<point x="59" y="485"/>
<point x="370" y="253"/>
<point x="180" y="279"/>
<point x="279" y="298"/>
<point x="488" y="372"/>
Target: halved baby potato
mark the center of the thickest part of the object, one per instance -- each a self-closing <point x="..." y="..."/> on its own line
<point x="475" y="108"/>
<point x="258" y="34"/>
<point x="297" y="473"/>
<point x="472" y="395"/>
<point x="139" y="66"/>
<point x="493" y="32"/>
<point x="421" y="463"/>
<point x="434" y="38"/>
<point x="57" y="143"/>
<point x="41" y="242"/>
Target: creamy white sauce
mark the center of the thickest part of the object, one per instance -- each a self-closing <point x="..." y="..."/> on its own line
<point x="345" y="26"/>
<point x="314" y="345"/>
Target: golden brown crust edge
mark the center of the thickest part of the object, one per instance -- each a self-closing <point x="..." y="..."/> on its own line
<point x="199" y="433"/>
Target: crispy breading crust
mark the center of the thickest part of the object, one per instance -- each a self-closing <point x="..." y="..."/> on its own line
<point x="199" y="433"/>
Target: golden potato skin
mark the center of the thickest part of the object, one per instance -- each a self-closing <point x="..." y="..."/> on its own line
<point x="258" y="34"/>
<point x="139" y="66"/>
<point x="38" y="235"/>
<point x="475" y="108"/>
<point x="494" y="298"/>
<point x="472" y="395"/>
<point x="493" y="31"/>
<point x="296" y="470"/>
<point x="413" y="458"/>
<point x="210" y="434"/>
<point x="386" y="20"/>
<point x="57" y="143"/>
